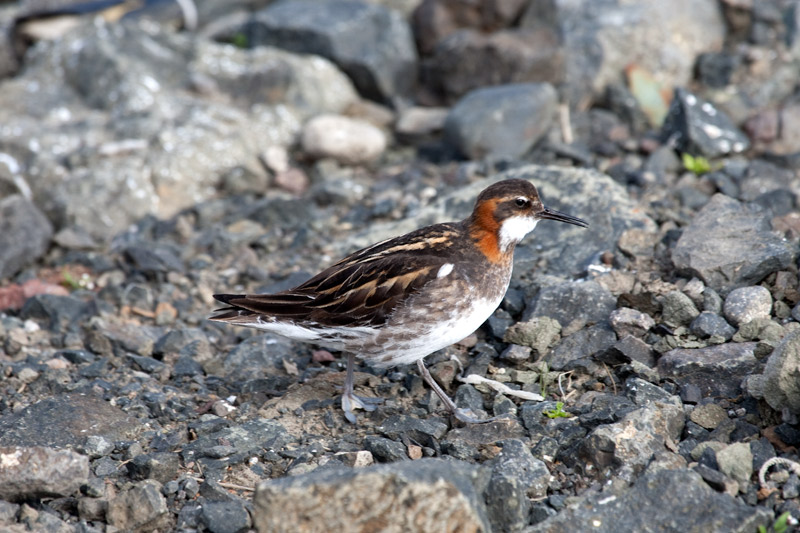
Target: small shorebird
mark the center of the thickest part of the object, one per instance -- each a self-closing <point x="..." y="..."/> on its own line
<point x="401" y="299"/>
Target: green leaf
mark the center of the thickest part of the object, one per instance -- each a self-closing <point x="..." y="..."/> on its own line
<point x="695" y="164"/>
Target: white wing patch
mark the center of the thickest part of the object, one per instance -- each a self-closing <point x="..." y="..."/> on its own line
<point x="444" y="270"/>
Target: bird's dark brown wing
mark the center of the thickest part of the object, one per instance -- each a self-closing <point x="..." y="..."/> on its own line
<point x="351" y="294"/>
<point x="361" y="289"/>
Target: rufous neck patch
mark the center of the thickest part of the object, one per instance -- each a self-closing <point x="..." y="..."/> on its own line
<point x="484" y="230"/>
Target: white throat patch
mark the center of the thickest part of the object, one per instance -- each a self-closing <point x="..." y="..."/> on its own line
<point x="514" y="230"/>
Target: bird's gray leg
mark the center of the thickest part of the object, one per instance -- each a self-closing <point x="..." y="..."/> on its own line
<point x="465" y="415"/>
<point x="349" y="400"/>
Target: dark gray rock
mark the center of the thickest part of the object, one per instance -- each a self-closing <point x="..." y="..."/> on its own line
<point x="468" y="59"/>
<point x="730" y="245"/>
<point x="715" y="69"/>
<point x="161" y="466"/>
<point x="745" y="304"/>
<point x="677" y="500"/>
<point x="517" y="478"/>
<point x="245" y="439"/>
<point x="409" y="495"/>
<point x="499" y="322"/>
<point x="369" y="42"/>
<point x="487" y="433"/>
<point x="711" y="325"/>
<point x="97" y="446"/>
<point x="420" y="430"/>
<point x="435" y="19"/>
<point x="8" y="512"/>
<point x="677" y="309"/>
<point x="154" y="258"/>
<point x="581" y="344"/>
<point x="59" y="312"/>
<point x="626" y="350"/>
<point x="782" y="375"/>
<point x="25" y="234"/>
<point x="37" y="472"/>
<point x="385" y="450"/>
<point x="642" y="393"/>
<point x="627" y="447"/>
<point x="65" y="421"/>
<point x="503" y="121"/>
<point x="185" y="365"/>
<point x="698" y="127"/>
<point x="587" y="301"/>
<point x="258" y="356"/>
<point x="712" y="301"/>
<point x="630" y="322"/>
<point x="716" y="370"/>
<point x="225" y="517"/>
<point x="141" y="507"/>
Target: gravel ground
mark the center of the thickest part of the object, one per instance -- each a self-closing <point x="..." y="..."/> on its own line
<point x="143" y="169"/>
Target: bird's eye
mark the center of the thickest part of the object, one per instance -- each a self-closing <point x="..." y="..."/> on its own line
<point x="522" y="202"/>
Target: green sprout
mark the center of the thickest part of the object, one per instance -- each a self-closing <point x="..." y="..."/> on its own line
<point x="558" y="412"/>
<point x="69" y="281"/>
<point x="696" y="164"/>
<point x="239" y="40"/>
<point x="781" y="525"/>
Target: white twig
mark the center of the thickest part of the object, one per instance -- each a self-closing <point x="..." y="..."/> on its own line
<point x="474" y="379"/>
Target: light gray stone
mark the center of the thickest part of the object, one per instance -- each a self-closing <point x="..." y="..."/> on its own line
<point x="745" y="304"/>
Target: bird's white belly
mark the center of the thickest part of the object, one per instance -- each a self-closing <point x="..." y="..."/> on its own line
<point x="432" y="334"/>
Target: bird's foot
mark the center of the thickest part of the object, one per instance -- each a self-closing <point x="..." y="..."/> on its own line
<point x="351" y="401"/>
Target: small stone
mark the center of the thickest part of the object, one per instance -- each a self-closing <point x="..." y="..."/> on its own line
<point x="499" y="322"/>
<point x="698" y="127"/>
<point x="540" y="333"/>
<point x="349" y="141"/>
<point x="421" y="430"/>
<point x="140" y="507"/>
<point x="712" y="301"/>
<point x="26" y="234"/>
<point x="629" y="349"/>
<point x="517" y="478"/>
<point x="710" y="325"/>
<point x="97" y="446"/>
<point x="708" y="416"/>
<point x="38" y="472"/>
<point x="225" y="517"/>
<point x="782" y="375"/>
<point x="420" y="121"/>
<point x="736" y="461"/>
<point x="357" y="459"/>
<point x="385" y="450"/>
<point x="746" y="304"/>
<point x="92" y="509"/>
<point x="691" y="394"/>
<point x="716" y="370"/>
<point x="587" y="301"/>
<point x="515" y="352"/>
<point x="626" y="321"/>
<point x="501" y="121"/>
<point x="161" y="466"/>
<point x="678" y="309"/>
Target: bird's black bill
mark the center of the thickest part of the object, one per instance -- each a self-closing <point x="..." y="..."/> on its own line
<point x="552" y="214"/>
